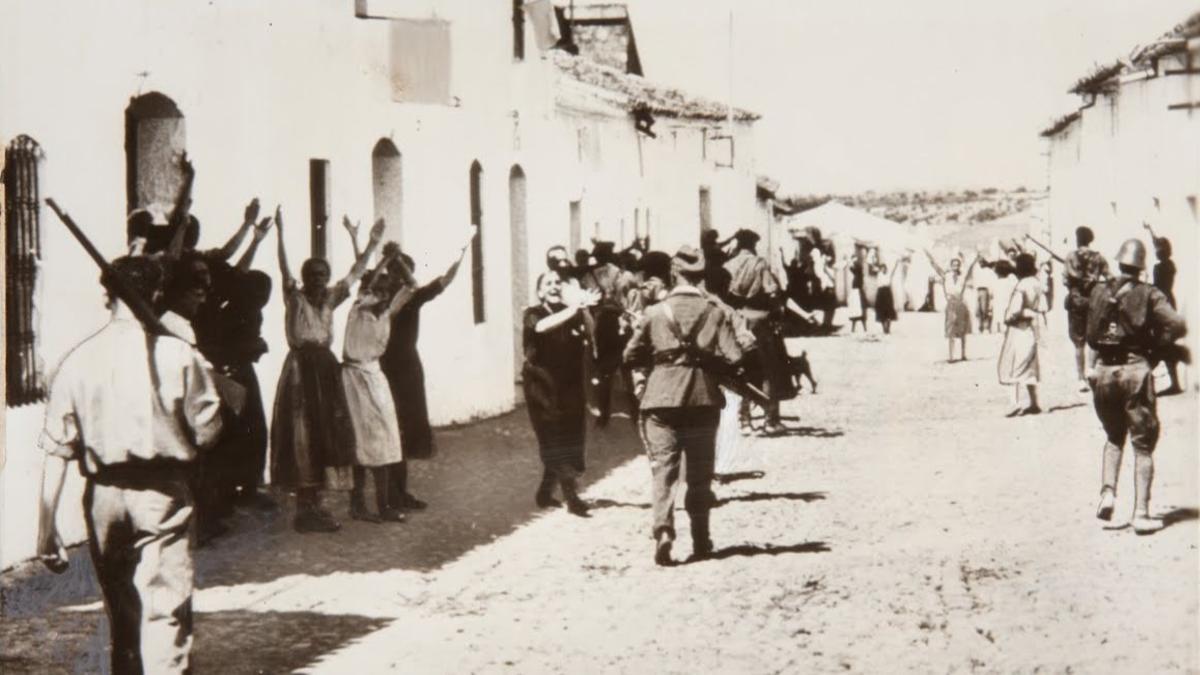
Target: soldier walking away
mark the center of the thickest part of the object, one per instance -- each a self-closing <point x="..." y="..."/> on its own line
<point x="134" y="410"/>
<point x="681" y="404"/>
<point x="1083" y="269"/>
<point x="1164" y="280"/>
<point x="755" y="293"/>
<point x="1127" y="322"/>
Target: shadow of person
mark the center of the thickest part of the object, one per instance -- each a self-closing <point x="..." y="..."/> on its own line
<point x="1178" y="515"/>
<point x="813" y="432"/>
<point x="1068" y="406"/>
<point x="769" y="496"/>
<point x="726" y="478"/>
<point x="751" y="550"/>
<point x="603" y="503"/>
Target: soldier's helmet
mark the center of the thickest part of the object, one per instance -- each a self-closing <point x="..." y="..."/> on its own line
<point x="1132" y="254"/>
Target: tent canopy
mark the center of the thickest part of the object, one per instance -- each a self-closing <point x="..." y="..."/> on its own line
<point x="842" y="223"/>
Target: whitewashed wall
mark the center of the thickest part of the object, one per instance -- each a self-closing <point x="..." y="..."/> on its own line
<point x="1128" y="160"/>
<point x="265" y="86"/>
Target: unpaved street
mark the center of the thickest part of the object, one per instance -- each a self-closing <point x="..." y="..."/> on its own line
<point x="907" y="526"/>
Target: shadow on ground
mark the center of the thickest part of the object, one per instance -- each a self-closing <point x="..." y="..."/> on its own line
<point x="480" y="487"/>
<point x="771" y="496"/>
<point x="751" y="550"/>
<point x="287" y="641"/>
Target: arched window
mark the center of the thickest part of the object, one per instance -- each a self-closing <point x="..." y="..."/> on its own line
<point x="24" y="377"/>
<point x="520" y="257"/>
<point x="154" y="145"/>
<point x="477" y="300"/>
<point x="387" y="184"/>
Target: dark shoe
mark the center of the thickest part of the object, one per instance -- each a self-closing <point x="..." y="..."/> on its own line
<point x="545" y="501"/>
<point x="577" y="507"/>
<point x="392" y="516"/>
<point x="701" y="549"/>
<point x="1105" y="510"/>
<point x="315" y="521"/>
<point x="411" y="503"/>
<point x="1031" y="410"/>
<point x="1013" y="413"/>
<point x="662" y="550"/>
<point x="1173" y="390"/>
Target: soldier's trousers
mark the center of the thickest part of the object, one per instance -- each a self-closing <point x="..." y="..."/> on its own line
<point x="1124" y="398"/>
<point x="138" y="534"/>
<point x="669" y="435"/>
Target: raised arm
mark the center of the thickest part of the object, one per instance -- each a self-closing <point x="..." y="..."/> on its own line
<point x="971" y="267"/>
<point x="452" y="271"/>
<point x="178" y="217"/>
<point x="1149" y="229"/>
<point x="260" y="233"/>
<point x="284" y="271"/>
<point x="360" y="263"/>
<point x="575" y="303"/>
<point x="249" y="217"/>
<point x="352" y="230"/>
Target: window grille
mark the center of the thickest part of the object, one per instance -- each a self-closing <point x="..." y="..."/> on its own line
<point x="24" y="377"/>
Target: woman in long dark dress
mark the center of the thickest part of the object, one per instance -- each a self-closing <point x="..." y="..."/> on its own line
<point x="312" y="440"/>
<point x="555" y="342"/>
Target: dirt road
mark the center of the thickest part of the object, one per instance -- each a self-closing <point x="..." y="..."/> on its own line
<point x="905" y="526"/>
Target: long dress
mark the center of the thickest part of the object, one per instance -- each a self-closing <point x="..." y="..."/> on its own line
<point x="312" y="440"/>
<point x="958" y="317"/>
<point x="1018" y="362"/>
<point x="885" y="302"/>
<point x="554" y="390"/>
<point x="372" y="411"/>
<point x="401" y="363"/>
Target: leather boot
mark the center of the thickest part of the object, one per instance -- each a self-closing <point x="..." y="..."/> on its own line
<point x="544" y="496"/>
<point x="575" y="505"/>
<point x="702" y="545"/>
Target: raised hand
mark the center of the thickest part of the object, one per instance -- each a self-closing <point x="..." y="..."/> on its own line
<point x="251" y="213"/>
<point x="377" y="230"/>
<point x="352" y="228"/>
<point x="263" y="227"/>
<point x="279" y="219"/>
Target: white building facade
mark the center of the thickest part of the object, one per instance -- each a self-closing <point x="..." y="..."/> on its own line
<point x="425" y="113"/>
<point x="1131" y="155"/>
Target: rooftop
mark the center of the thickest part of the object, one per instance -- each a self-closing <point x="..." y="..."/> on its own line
<point x="637" y="93"/>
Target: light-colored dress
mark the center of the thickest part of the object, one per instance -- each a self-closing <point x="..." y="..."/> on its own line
<point x="372" y="410"/>
<point x="1018" y="362"/>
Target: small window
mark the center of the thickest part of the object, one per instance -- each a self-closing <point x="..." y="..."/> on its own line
<point x="477" y="299"/>
<point x="518" y="21"/>
<point x="24" y="377"/>
<point x="318" y="197"/>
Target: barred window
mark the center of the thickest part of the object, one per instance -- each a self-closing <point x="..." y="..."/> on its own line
<point x="24" y="377"/>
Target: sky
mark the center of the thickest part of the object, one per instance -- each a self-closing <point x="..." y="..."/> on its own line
<point x="889" y="95"/>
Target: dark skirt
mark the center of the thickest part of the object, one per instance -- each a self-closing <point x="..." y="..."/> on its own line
<point x="885" y="305"/>
<point x="246" y="444"/>
<point x="556" y="411"/>
<point x="406" y="378"/>
<point x="769" y="362"/>
<point x="312" y="441"/>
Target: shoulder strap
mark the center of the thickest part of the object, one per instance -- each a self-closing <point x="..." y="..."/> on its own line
<point x="677" y="332"/>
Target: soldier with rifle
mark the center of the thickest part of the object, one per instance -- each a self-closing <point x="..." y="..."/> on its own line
<point x="1082" y="270"/>
<point x="134" y="406"/>
<point x="1128" y="321"/>
<point x="687" y="342"/>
